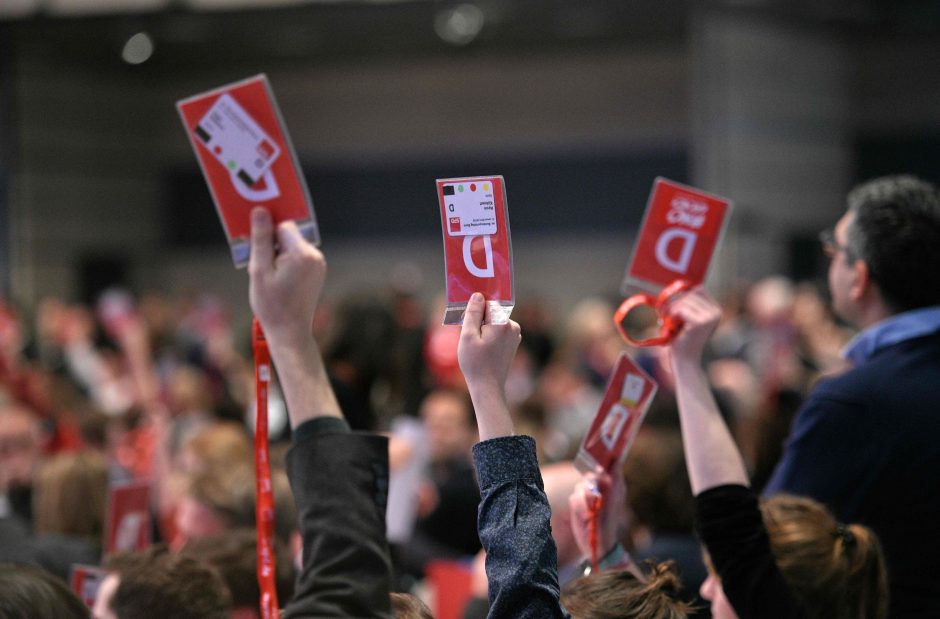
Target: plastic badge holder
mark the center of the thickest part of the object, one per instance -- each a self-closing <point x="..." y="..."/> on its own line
<point x="247" y="158"/>
<point x="629" y="393"/>
<point x="477" y="245"/>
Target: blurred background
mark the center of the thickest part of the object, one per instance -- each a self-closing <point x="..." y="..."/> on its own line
<point x="779" y="105"/>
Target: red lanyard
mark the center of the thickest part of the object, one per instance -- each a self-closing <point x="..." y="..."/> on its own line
<point x="595" y="504"/>
<point x="264" y="507"/>
<point x="669" y="326"/>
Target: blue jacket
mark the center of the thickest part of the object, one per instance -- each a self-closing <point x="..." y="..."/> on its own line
<point x="867" y="444"/>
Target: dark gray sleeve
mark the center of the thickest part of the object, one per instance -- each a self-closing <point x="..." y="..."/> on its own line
<point x="521" y="562"/>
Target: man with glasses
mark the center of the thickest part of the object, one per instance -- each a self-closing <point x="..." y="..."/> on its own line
<point x="867" y="443"/>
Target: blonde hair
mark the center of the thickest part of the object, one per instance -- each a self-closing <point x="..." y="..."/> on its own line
<point x="71" y="495"/>
<point x="837" y="571"/>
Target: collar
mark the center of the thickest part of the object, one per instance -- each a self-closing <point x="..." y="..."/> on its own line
<point x="890" y="331"/>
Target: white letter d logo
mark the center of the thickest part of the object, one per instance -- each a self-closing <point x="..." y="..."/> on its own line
<point x="487" y="270"/>
<point x="687" y="240"/>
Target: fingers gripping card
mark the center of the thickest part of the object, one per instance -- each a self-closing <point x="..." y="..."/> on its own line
<point x="247" y="158"/>
<point x="681" y="228"/>
<point x="477" y="245"/>
<point x="629" y="393"/>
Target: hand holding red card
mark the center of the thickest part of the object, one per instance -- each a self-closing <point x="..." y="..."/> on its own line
<point x="246" y="156"/>
<point x="681" y="228"/>
<point x="477" y="245"/>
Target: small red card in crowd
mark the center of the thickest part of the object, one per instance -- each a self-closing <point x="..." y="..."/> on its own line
<point x="128" y="524"/>
<point x="85" y="580"/>
<point x="681" y="228"/>
<point x="629" y="393"/>
<point x="477" y="245"/>
<point x="247" y="158"/>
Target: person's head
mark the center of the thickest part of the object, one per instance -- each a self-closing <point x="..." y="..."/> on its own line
<point x="450" y="424"/>
<point x="20" y="445"/>
<point x="218" y="500"/>
<point x="32" y="593"/>
<point x="155" y="584"/>
<point x="836" y="571"/>
<point x="407" y="606"/>
<point x="660" y="498"/>
<point x="70" y="495"/>
<point x="234" y="555"/>
<point x="885" y="250"/>
<point x="220" y="445"/>
<point x="618" y="594"/>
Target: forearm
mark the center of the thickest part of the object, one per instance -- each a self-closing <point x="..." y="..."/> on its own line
<point x="712" y="457"/>
<point x="492" y="410"/>
<point x="303" y="378"/>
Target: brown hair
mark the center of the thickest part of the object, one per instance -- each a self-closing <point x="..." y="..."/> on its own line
<point x="71" y="495"/>
<point x="234" y="555"/>
<point x="32" y="593"/>
<point x="407" y="606"/>
<point x="836" y="571"/>
<point x="155" y="584"/>
<point x="618" y="594"/>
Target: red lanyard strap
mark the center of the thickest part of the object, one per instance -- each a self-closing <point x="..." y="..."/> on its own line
<point x="264" y="507"/>
<point x="669" y="326"/>
<point x="595" y="504"/>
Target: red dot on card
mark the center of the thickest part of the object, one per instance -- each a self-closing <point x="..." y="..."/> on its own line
<point x="218" y="150"/>
<point x="473" y="187"/>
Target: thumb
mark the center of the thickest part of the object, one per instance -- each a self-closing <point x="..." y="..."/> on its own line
<point x="262" y="240"/>
<point x="473" y="316"/>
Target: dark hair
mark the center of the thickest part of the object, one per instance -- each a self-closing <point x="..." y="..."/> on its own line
<point x="658" y="493"/>
<point x="407" y="606"/>
<point x="234" y="555"/>
<point x="618" y="594"/>
<point x="31" y="593"/>
<point x="155" y="584"/>
<point x="896" y="232"/>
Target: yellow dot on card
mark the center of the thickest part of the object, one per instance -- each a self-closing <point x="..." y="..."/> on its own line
<point x="486" y="186"/>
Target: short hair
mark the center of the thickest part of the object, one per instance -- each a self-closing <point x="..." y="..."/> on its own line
<point x="618" y="594"/>
<point x="408" y="606"/>
<point x="837" y="571"/>
<point x="31" y="593"/>
<point x="234" y="555"/>
<point x="155" y="584"/>
<point x="896" y="232"/>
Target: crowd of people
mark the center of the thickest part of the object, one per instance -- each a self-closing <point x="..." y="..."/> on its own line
<point x="399" y="444"/>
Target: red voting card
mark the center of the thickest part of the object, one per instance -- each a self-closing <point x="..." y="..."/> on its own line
<point x="247" y="158"/>
<point x="85" y="580"/>
<point x="680" y="231"/>
<point x="629" y="393"/>
<point x="128" y="524"/>
<point x="477" y="245"/>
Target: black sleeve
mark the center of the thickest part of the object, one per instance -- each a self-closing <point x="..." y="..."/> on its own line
<point x="731" y="527"/>
<point x="340" y="485"/>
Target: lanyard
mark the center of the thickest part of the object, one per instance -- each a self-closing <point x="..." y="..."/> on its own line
<point x="264" y="507"/>
<point x="669" y="326"/>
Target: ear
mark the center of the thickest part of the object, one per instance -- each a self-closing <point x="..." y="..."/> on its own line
<point x="861" y="280"/>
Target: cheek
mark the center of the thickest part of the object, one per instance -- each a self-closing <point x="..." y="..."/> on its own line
<point x="721" y="608"/>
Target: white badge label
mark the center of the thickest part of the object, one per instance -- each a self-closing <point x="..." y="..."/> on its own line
<point x="236" y="140"/>
<point x="632" y="390"/>
<point x="471" y="208"/>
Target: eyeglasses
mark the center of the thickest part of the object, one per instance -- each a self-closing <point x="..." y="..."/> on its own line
<point x="830" y="246"/>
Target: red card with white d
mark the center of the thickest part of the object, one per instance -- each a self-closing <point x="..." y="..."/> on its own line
<point x="477" y="245"/>
<point x="681" y="228"/>
<point x="629" y="393"/>
<point x="247" y="158"/>
<point x="128" y="524"/>
<point x="85" y="581"/>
